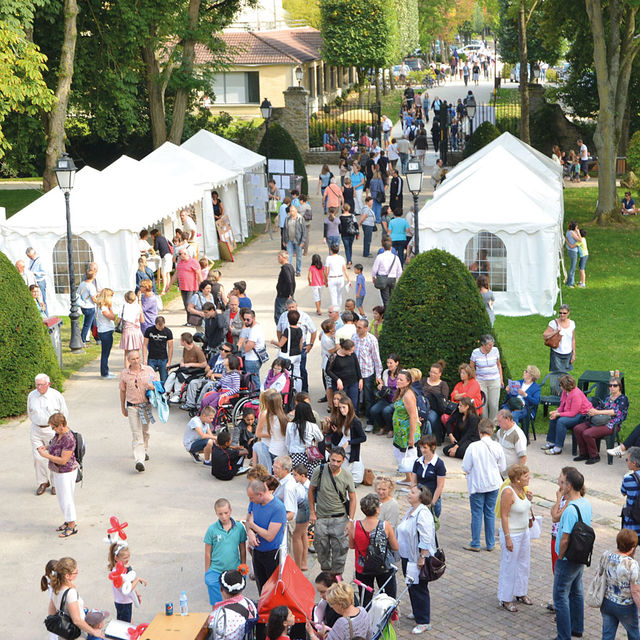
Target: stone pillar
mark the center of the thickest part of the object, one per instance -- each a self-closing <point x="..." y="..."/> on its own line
<point x="294" y="117"/>
<point x="321" y="88"/>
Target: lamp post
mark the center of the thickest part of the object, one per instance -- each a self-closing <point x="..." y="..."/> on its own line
<point x="65" y="171"/>
<point x="413" y="174"/>
<point x="266" y="110"/>
<point x="299" y="75"/>
<point x="470" y="104"/>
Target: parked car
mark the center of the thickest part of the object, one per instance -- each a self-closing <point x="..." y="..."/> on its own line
<point x="471" y="49"/>
<point x="415" y="64"/>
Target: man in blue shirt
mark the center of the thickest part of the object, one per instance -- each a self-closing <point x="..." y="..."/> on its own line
<point x="265" y="529"/>
<point x="568" y="596"/>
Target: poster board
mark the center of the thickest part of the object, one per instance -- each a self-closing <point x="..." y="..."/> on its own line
<point x="225" y="232"/>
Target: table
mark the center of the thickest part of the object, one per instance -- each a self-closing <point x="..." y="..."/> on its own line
<point x="601" y="378"/>
<point x="175" y="627"/>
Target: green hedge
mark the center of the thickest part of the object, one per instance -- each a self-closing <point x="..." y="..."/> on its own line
<point x="25" y="346"/>
<point x="633" y="153"/>
<point x="282" y="146"/>
<point x="435" y="312"/>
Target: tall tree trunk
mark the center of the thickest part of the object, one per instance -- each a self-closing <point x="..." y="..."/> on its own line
<point x="377" y="78"/>
<point x="155" y="91"/>
<point x="384" y="82"/>
<point x="614" y="49"/>
<point x="58" y="115"/>
<point x="524" y="74"/>
<point x="188" y="57"/>
<point x="623" y="143"/>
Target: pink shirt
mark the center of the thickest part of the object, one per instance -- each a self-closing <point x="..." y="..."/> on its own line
<point x="317" y="276"/>
<point x="188" y="271"/>
<point x="573" y="403"/>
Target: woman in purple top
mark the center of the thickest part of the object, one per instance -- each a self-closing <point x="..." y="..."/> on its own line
<point x="149" y="304"/>
<point x="382" y="410"/>
<point x="64" y="470"/>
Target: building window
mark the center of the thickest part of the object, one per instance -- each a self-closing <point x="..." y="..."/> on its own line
<point x="82" y="256"/>
<point x="486" y="255"/>
<point x="237" y="88"/>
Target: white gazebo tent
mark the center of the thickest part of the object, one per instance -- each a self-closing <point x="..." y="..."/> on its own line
<point x="238" y="158"/>
<point x="503" y="203"/>
<point x="170" y="161"/>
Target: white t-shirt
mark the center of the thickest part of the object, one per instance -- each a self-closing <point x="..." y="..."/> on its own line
<point x="326" y="344"/>
<point x="104" y="324"/>
<point x="190" y="433"/>
<point x="335" y="262"/>
<point x="145" y="247"/>
<point x="87" y="290"/>
<point x="277" y="442"/>
<point x="253" y="334"/>
<point x="188" y="225"/>
<point x="72" y="596"/>
<point x="288" y="493"/>
<point x="346" y="332"/>
<point x="566" y="342"/>
<point x="131" y="312"/>
<point x="584" y="152"/>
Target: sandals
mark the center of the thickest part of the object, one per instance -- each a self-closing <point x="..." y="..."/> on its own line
<point x="62" y="527"/>
<point x="524" y="600"/>
<point x="68" y="532"/>
<point x="509" y="606"/>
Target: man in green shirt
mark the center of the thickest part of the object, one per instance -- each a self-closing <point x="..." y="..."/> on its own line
<point x="332" y="506"/>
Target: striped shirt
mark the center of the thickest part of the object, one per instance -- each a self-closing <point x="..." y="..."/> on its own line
<point x="630" y="488"/>
<point x="230" y="382"/>
<point x="368" y="354"/>
<point x="486" y="364"/>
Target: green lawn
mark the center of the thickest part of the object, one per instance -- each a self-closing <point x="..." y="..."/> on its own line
<point x="390" y="104"/>
<point x="604" y="312"/>
<point x="15" y="199"/>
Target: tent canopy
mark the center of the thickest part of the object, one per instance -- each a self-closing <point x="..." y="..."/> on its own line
<point x="220" y="150"/>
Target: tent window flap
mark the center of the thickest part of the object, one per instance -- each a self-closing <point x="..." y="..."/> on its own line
<point x="82" y="256"/>
<point x="485" y="254"/>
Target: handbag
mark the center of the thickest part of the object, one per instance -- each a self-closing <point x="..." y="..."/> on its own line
<point x="368" y="478"/>
<point x="313" y="453"/>
<point x="434" y="564"/>
<point x="554" y="339"/>
<point x="356" y="469"/>
<point x="410" y="456"/>
<point x="384" y="281"/>
<point x="118" y="327"/>
<point x="599" y="420"/>
<point x="61" y="624"/>
<point x="376" y="559"/>
<point x="380" y="197"/>
<point x="262" y="354"/>
<point x="594" y="595"/>
<point x="351" y="226"/>
<point x="384" y="393"/>
<point x="535" y="526"/>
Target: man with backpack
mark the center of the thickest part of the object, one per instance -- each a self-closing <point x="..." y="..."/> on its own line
<point x="574" y="545"/>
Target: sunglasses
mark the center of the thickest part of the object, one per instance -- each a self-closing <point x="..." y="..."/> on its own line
<point x="563" y="313"/>
<point x="225" y="350"/>
<point x="614" y="384"/>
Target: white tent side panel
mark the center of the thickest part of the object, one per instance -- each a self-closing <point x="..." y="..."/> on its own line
<point x="532" y="271"/>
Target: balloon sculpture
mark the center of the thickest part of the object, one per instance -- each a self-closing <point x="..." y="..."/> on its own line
<point x="135" y="633"/>
<point x="122" y="578"/>
<point x="117" y="530"/>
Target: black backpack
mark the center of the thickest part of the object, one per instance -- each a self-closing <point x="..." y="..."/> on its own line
<point x="78" y="454"/>
<point x="581" y="541"/>
<point x="632" y="511"/>
<point x="376" y="560"/>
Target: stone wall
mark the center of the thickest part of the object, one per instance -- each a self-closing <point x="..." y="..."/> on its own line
<point x="294" y="116"/>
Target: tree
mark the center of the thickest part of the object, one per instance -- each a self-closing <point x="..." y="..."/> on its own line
<point x="440" y="20"/>
<point x="423" y="321"/>
<point x="304" y="10"/>
<point x="25" y="346"/>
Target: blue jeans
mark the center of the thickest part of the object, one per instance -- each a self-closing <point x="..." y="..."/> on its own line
<point x="43" y="290"/>
<point x="404" y="159"/>
<point x="347" y="241"/>
<point x="279" y="308"/>
<point x="483" y="508"/>
<point x="253" y="367"/>
<point x="303" y="370"/>
<point x="382" y="414"/>
<point x="368" y="396"/>
<point x="420" y="598"/>
<point x="160" y="366"/>
<point x="558" y="429"/>
<point x="367" y="233"/>
<point x="377" y="207"/>
<point x="612" y="614"/>
<point x="568" y="598"/>
<point x="434" y="424"/>
<point x="292" y="248"/>
<point x="437" y="508"/>
<point x="106" y="342"/>
<point x="353" y="392"/>
<point x="212" y="580"/>
<point x="333" y="241"/>
<point x="89" y="316"/>
<point x="124" y="611"/>
<point x="573" y="261"/>
<point x="400" y="246"/>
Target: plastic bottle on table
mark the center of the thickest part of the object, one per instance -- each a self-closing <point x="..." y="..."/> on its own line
<point x="184" y="604"/>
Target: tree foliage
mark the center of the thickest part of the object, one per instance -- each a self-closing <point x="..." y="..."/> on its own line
<point x="441" y="19"/>
<point x="25" y="346"/>
<point x="435" y="312"/>
<point x="307" y="10"/>
<point x="407" y="18"/>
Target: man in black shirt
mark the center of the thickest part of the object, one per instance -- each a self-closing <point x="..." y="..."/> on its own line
<point x="226" y="461"/>
<point x="157" y="349"/>
<point x="286" y="286"/>
<point x="215" y="326"/>
<point x="409" y="95"/>
<point x="163" y="249"/>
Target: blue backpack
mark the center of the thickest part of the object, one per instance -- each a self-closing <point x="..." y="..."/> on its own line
<point x="422" y="402"/>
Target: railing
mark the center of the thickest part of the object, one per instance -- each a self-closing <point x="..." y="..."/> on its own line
<point x="333" y="127"/>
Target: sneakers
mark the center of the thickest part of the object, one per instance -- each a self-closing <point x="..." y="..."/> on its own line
<point x="174" y="399"/>
<point x="420" y="628"/>
<point x="207" y="463"/>
<point x="186" y="407"/>
<point x="109" y="376"/>
<point x="581" y="285"/>
<point x="368" y="428"/>
<point x="547" y="445"/>
<point x="470" y="548"/>
<point x="616" y="452"/>
<point x="195" y="456"/>
<point x="139" y="467"/>
<point x="554" y="451"/>
<point x="411" y="616"/>
<point x="242" y="471"/>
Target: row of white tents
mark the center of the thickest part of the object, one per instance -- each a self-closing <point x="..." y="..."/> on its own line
<point x="110" y="207"/>
<point x="507" y="200"/>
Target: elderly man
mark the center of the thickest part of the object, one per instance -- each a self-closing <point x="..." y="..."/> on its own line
<point x="387" y="265"/>
<point x="286" y="285"/>
<point x="334" y="315"/>
<point x="511" y="438"/>
<point x="189" y="277"/>
<point x="332" y="507"/>
<point x="233" y="320"/>
<point x="35" y="266"/>
<point x="309" y="335"/>
<point x="42" y="403"/>
<point x="135" y="380"/>
<point x="368" y="354"/>
<point x="287" y="493"/>
<point x="188" y="226"/>
<point x="265" y="529"/>
<point x="27" y="275"/>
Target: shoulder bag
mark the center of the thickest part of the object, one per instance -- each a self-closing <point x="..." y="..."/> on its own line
<point x="434" y="564"/>
<point x="554" y="339"/>
<point x="384" y="281"/>
<point x="262" y="354"/>
<point x="345" y="500"/>
<point x="118" y="327"/>
<point x="596" y="590"/>
<point x="61" y="624"/>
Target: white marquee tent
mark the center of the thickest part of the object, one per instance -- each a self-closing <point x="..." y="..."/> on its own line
<point x="250" y="165"/>
<point x="505" y="202"/>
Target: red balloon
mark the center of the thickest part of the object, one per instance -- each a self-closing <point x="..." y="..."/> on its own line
<point x="116" y="575"/>
<point x="118" y="528"/>
<point x="134" y="634"/>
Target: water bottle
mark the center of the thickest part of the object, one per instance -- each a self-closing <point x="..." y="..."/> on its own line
<point x="184" y="604"/>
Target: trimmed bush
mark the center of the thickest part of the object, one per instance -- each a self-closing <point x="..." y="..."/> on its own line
<point x="436" y="311"/>
<point x="633" y="153"/>
<point x="283" y="146"/>
<point x="25" y="346"/>
<point x="481" y="137"/>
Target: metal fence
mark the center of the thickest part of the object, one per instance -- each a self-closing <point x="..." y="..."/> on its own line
<point x="332" y="127"/>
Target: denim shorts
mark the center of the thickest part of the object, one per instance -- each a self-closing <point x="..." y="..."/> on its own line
<point x="359" y="301"/>
<point x="583" y="262"/>
<point x="303" y="512"/>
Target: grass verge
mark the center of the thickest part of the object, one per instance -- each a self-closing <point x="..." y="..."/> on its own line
<point x="15" y="199"/>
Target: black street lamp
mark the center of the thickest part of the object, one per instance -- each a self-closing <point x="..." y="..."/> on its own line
<point x="266" y="110"/>
<point x="413" y="174"/>
<point x="470" y="104"/>
<point x="65" y="171"/>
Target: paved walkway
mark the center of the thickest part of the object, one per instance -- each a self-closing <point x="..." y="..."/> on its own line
<point x="170" y="505"/>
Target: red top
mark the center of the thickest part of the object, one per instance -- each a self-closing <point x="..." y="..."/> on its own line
<point x="188" y="271"/>
<point x="361" y="544"/>
<point x="471" y="390"/>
